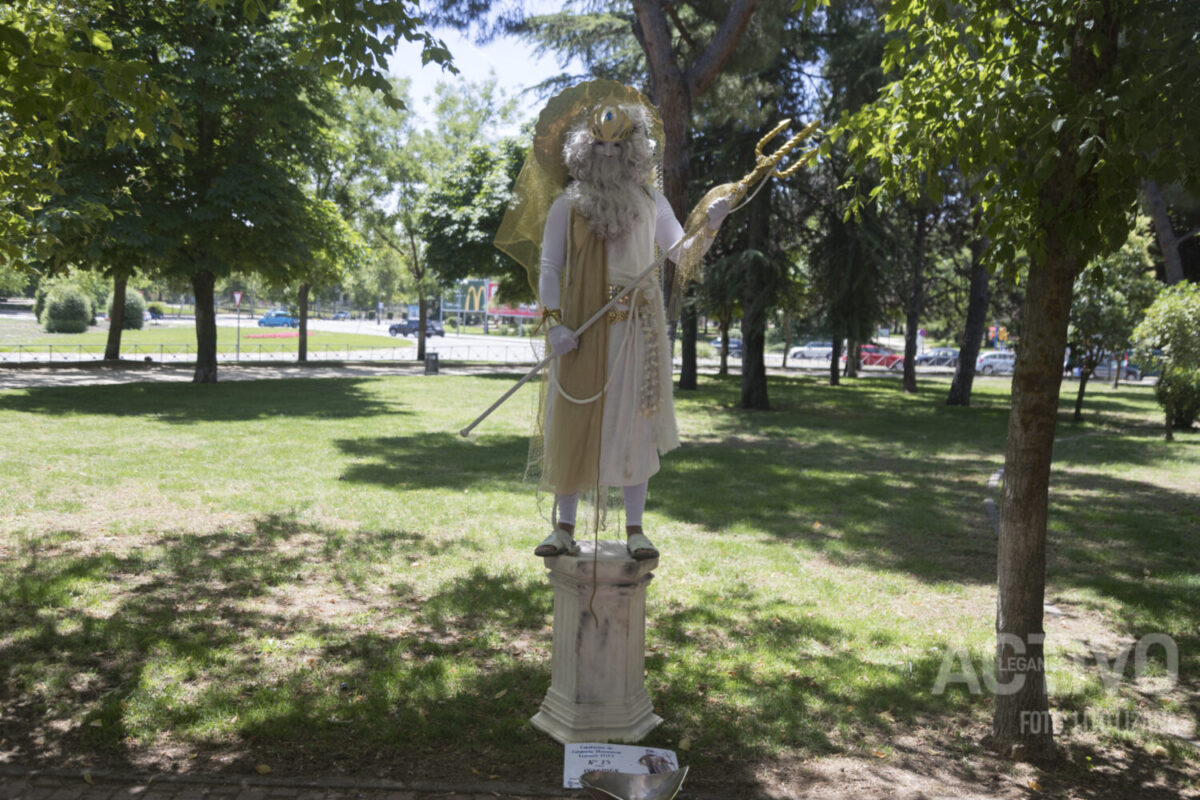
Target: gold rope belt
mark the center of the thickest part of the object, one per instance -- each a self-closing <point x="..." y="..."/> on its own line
<point x="613" y="314"/>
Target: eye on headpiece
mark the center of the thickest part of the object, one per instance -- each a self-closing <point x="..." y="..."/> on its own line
<point x="611" y="124"/>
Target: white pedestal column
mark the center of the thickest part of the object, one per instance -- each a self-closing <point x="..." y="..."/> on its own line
<point x="597" y="686"/>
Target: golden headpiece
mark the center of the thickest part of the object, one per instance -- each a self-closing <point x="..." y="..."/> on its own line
<point x="611" y="124"/>
<point x="544" y="175"/>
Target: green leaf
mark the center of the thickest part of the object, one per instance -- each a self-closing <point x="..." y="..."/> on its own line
<point x="100" y="40"/>
<point x="1084" y="153"/>
<point x="1056" y="126"/>
<point x="14" y="40"/>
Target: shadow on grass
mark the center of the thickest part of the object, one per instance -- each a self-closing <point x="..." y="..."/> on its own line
<point x="232" y="401"/>
<point x="1134" y="543"/>
<point x="255" y="645"/>
<point x="806" y="687"/>
<point x="868" y="475"/>
<point x="261" y="646"/>
<point x="437" y="460"/>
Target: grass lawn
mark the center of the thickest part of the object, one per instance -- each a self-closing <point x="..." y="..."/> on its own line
<point x="174" y="337"/>
<point x="322" y="576"/>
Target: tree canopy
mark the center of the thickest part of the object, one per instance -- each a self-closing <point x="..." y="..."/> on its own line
<point x="1111" y="297"/>
<point x="61" y="75"/>
<point x="461" y="211"/>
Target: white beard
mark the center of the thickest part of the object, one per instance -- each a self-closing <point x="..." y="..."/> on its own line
<point x="610" y="201"/>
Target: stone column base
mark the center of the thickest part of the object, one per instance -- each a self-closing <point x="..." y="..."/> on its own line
<point x="597" y="686"/>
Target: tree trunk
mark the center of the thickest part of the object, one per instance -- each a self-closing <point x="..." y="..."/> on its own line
<point x="835" y="368"/>
<point x="754" y="370"/>
<point x="915" y="303"/>
<point x="724" y="368"/>
<point x="1168" y="242"/>
<point x="756" y="295"/>
<point x="670" y="94"/>
<point x="673" y="89"/>
<point x="116" y="317"/>
<point x="977" y="308"/>
<point x="1022" y="716"/>
<point x="206" y="327"/>
<point x="911" y="321"/>
<point x="1066" y="206"/>
<point x="787" y="336"/>
<point x="853" y="357"/>
<point x="687" y="335"/>
<point x="302" y="300"/>
<point x="1084" y="375"/>
<point x="422" y="315"/>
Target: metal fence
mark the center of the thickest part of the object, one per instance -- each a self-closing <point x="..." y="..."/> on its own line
<point x="507" y="353"/>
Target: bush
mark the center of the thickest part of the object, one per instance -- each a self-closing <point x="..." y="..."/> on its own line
<point x="157" y="308"/>
<point x="135" y="310"/>
<point x="68" y="309"/>
<point x="1180" y="389"/>
<point x="1172" y="327"/>
<point x="39" y="298"/>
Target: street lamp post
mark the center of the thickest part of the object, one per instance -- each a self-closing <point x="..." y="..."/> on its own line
<point x="237" y="302"/>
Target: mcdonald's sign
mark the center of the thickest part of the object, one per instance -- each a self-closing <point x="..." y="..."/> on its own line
<point x="476" y="296"/>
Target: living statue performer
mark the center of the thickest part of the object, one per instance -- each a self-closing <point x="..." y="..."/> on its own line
<point x="607" y="411"/>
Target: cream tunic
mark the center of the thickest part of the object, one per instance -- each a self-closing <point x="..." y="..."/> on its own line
<point x="638" y="412"/>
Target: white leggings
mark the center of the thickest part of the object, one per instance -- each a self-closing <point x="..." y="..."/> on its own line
<point x="635" y="504"/>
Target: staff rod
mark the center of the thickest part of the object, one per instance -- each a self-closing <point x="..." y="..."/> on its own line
<point x="541" y="364"/>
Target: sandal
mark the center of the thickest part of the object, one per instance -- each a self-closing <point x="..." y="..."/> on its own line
<point x="559" y="542"/>
<point x="640" y="548"/>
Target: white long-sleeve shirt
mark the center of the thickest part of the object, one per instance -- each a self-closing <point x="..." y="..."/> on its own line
<point x="667" y="234"/>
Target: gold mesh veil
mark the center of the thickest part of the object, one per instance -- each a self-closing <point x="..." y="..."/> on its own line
<point x="544" y="176"/>
<point x="541" y="180"/>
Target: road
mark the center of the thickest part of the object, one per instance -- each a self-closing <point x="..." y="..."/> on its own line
<point x="494" y="349"/>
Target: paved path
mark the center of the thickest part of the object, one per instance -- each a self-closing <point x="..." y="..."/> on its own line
<point x="93" y="374"/>
<point x="24" y="376"/>
<point x="16" y="784"/>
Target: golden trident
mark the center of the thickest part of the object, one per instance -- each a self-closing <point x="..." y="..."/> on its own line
<point x="764" y="167"/>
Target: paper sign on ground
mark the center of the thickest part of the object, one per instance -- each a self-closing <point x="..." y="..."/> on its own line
<point x="581" y="757"/>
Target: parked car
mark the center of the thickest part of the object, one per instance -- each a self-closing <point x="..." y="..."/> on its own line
<point x="938" y="357"/>
<point x="1104" y="372"/>
<point x="874" y="355"/>
<point x="821" y="350"/>
<point x="341" y="315"/>
<point x="735" y="346"/>
<point x="995" y="363"/>
<point x="279" y="318"/>
<point x="409" y="327"/>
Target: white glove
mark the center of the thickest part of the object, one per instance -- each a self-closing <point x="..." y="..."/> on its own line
<point x="717" y="212"/>
<point x="562" y="340"/>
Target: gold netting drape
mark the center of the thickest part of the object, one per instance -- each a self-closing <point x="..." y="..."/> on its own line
<point x="572" y="455"/>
